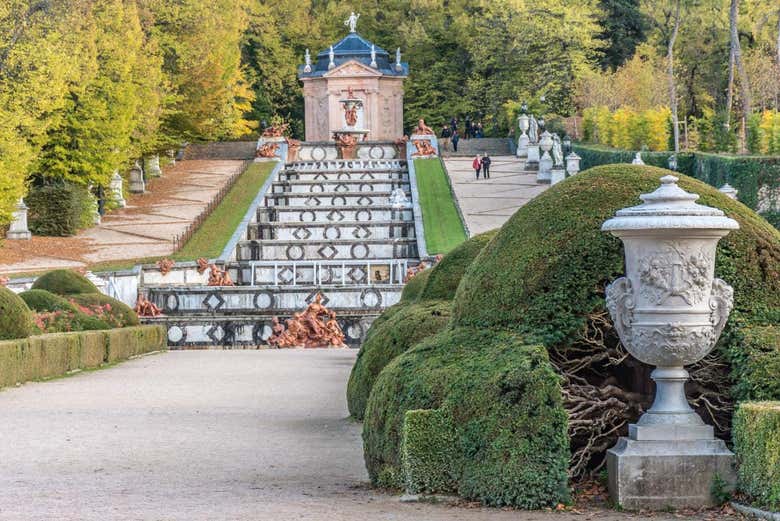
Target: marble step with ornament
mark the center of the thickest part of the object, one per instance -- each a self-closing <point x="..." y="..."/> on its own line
<point x="325" y="214"/>
<point x="339" y="186"/>
<point x="337" y="165"/>
<point x="329" y="199"/>
<point x="291" y="231"/>
<point x="320" y="273"/>
<point x="357" y="175"/>
<point x="355" y="249"/>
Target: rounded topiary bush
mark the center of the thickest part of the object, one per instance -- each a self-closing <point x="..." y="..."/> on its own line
<point x="16" y="319"/>
<point x="414" y="287"/>
<point x="506" y="426"/>
<point x="117" y="313"/>
<point x="43" y="301"/>
<point x="64" y="282"/>
<point x="406" y="325"/>
<point x="443" y="279"/>
<point x="544" y="274"/>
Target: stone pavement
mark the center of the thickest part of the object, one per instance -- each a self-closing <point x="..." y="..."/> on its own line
<point x="205" y="435"/>
<point x="144" y="229"/>
<point x="488" y="203"/>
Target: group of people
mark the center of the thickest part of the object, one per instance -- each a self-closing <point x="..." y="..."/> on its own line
<point x="482" y="164"/>
<point x="450" y="134"/>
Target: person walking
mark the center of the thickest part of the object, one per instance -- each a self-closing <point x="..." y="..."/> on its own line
<point x="446" y="134"/>
<point x="455" y="138"/>
<point x="454" y="123"/>
<point x="467" y="126"/>
<point x="485" y="165"/>
<point x="476" y="165"/>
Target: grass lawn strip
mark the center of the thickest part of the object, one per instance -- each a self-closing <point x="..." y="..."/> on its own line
<point x="442" y="224"/>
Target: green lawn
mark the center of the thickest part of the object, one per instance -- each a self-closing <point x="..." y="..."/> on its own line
<point x="443" y="228"/>
<point x="210" y="239"/>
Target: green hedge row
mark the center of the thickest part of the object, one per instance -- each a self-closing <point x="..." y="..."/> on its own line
<point x="58" y="210"/>
<point x="48" y="356"/>
<point x="757" y="444"/>
<point x="748" y="174"/>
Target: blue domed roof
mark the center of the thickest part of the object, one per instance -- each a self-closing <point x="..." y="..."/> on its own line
<point x="354" y="47"/>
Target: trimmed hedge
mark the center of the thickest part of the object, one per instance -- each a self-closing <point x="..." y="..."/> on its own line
<point x="48" y="356"/>
<point x="756" y="363"/>
<point x="16" y="319"/>
<point x="745" y="173"/>
<point x="757" y="445"/>
<point x="57" y="210"/>
<point x="444" y="278"/>
<point x="120" y="311"/>
<point x="42" y="301"/>
<point x="64" y="282"/>
<point x="414" y="287"/>
<point x="505" y="400"/>
<point x="429" y="455"/>
<point x="407" y="325"/>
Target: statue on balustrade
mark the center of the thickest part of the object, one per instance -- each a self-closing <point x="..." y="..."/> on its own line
<point x="146" y="308"/>
<point x="315" y="327"/>
<point x="218" y="277"/>
<point x="422" y="129"/>
<point x="267" y="150"/>
<point x="533" y="130"/>
<point x="424" y="148"/>
<point x="278" y="130"/>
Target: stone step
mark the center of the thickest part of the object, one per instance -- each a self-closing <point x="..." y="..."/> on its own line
<point x="329" y="199"/>
<point x="335" y="165"/>
<point x="336" y="273"/>
<point x="311" y="214"/>
<point x="355" y="249"/>
<point x="328" y="231"/>
<point x="270" y="300"/>
<point x="339" y="186"/>
<point x="245" y="331"/>
<point x="378" y="175"/>
<point x="472" y="147"/>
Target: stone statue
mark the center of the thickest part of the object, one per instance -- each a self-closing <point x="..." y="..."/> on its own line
<point x="315" y="327"/>
<point x="398" y="65"/>
<point x="398" y="198"/>
<point x="145" y="308"/>
<point x="373" y="55"/>
<point x="533" y="130"/>
<point x="332" y="58"/>
<point x="307" y="67"/>
<point x="424" y="148"/>
<point x="422" y="129"/>
<point x="557" y="151"/>
<point x="351" y="22"/>
<point x="267" y="150"/>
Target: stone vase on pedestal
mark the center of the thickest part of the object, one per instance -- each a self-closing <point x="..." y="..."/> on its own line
<point x="573" y="163"/>
<point x="18" y="229"/>
<point x="117" y="192"/>
<point x="669" y="311"/>
<point x="152" y="166"/>
<point x="136" y="179"/>
<point x="544" y="175"/>
<point x="729" y="191"/>
<point x="532" y="154"/>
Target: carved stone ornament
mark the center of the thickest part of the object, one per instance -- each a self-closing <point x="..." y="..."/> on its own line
<point x="672" y="272"/>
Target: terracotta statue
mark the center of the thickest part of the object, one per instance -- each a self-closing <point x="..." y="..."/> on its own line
<point x="424" y="148"/>
<point x="203" y="265"/>
<point x="165" y="266"/>
<point x="414" y="270"/>
<point x="293" y="148"/>
<point x="422" y="129"/>
<point x="4" y="281"/>
<point x="350" y="114"/>
<point x="276" y="130"/>
<point x="218" y="277"/>
<point x="315" y="327"/>
<point x="346" y="145"/>
<point x="145" y="308"/>
<point x="400" y="145"/>
<point x="267" y="150"/>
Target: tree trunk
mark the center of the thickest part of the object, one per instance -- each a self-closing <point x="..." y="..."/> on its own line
<point x="730" y="91"/>
<point x="747" y="103"/>
<point x="778" y="39"/>
<point x="672" y="86"/>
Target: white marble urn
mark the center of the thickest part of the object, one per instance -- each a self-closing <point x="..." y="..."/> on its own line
<point x="669" y="309"/>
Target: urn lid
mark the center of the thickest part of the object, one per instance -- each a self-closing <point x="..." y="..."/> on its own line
<point x="669" y="207"/>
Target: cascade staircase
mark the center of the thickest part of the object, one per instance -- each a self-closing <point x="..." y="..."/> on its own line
<point x="324" y="227"/>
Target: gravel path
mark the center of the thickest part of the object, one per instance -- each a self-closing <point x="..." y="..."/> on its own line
<point x="202" y="435"/>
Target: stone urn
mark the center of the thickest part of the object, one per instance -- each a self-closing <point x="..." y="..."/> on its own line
<point x="669" y="311"/>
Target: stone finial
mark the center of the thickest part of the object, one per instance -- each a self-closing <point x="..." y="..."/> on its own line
<point x="307" y="58"/>
<point x="729" y="190"/>
<point x="332" y="58"/>
<point x="638" y="159"/>
<point x="18" y="228"/>
<point x="398" y="65"/>
<point x="373" y="56"/>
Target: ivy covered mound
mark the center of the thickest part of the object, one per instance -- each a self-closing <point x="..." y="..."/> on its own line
<point x="55" y="314"/>
<point x="543" y="276"/>
<point x="16" y="319"/>
<point x="64" y="282"/>
<point x="423" y="311"/>
<point x="495" y="430"/>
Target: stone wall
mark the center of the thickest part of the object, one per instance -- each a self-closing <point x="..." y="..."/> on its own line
<point x="238" y="150"/>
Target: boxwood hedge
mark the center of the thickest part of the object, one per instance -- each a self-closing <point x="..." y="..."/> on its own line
<point x="64" y="282"/>
<point x="757" y="445"/>
<point x="16" y="319"/>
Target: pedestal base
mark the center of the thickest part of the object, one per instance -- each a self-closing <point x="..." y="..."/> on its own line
<point x="662" y="474"/>
<point x="532" y="152"/>
<point x="557" y="175"/>
<point x="25" y="236"/>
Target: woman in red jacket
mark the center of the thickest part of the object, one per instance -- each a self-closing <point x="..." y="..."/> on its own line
<point x="477" y="165"/>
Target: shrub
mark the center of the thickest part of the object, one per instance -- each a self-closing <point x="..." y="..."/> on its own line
<point x="16" y="319"/>
<point x="757" y="445"/>
<point x="57" y="210"/>
<point x="756" y="362"/>
<point x="429" y="455"/>
<point x="442" y="282"/>
<point x="544" y="275"/>
<point x="414" y="287"/>
<point x="56" y="315"/>
<point x="408" y="325"/>
<point x="505" y="402"/>
<point x="116" y="313"/>
<point x="64" y="282"/>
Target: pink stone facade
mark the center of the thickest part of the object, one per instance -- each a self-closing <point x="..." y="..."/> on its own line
<point x="383" y="100"/>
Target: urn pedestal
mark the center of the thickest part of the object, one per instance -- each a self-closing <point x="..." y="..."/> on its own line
<point x="18" y="229"/>
<point x="532" y="155"/>
<point x="137" y="183"/>
<point x="557" y="174"/>
<point x="669" y="311"/>
<point x="544" y="175"/>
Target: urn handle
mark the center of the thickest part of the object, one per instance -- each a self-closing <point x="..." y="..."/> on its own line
<point x="721" y="302"/>
<point x="620" y="303"/>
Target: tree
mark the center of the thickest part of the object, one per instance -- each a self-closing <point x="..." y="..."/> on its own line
<point x="624" y="26"/>
<point x="672" y="85"/>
